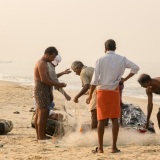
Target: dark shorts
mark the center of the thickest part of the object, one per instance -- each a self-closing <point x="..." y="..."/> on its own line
<point x="43" y="95"/>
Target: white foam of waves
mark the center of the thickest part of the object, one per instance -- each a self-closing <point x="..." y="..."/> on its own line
<point x="137" y="92"/>
<point x="140" y="93"/>
<point x="73" y="82"/>
<point x="126" y="137"/>
<point x="23" y="79"/>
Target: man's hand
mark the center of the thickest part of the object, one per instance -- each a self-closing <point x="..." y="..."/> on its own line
<point x="67" y="71"/>
<point x="121" y="81"/>
<point x="88" y="99"/>
<point x="75" y="99"/>
<point x="62" y="85"/>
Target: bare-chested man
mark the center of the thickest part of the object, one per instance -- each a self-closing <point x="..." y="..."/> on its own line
<point x="152" y="85"/>
<point x="43" y="91"/>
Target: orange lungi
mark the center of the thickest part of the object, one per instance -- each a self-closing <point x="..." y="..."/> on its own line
<point x="108" y="104"/>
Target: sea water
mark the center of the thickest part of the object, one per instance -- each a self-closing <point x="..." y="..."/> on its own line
<point x="20" y="73"/>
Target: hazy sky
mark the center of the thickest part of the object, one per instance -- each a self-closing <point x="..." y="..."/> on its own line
<point x="78" y="29"/>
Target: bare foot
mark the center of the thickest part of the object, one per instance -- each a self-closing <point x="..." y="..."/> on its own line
<point x="115" y="150"/>
<point x="54" y="139"/>
<point x="97" y="150"/>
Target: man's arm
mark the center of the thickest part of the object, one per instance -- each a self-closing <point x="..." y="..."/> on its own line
<point x="150" y="104"/>
<point x="68" y="98"/>
<point x="83" y="91"/>
<point x="92" y="88"/>
<point x="42" y="70"/>
<point x="134" y="69"/>
<point x="129" y="64"/>
<point x="94" y="81"/>
<point x="127" y="77"/>
<point x="67" y="71"/>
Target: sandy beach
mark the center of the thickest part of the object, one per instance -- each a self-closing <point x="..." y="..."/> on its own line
<point x="21" y="144"/>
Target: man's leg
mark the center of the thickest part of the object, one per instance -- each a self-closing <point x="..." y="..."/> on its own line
<point x="121" y="115"/>
<point x="121" y="86"/>
<point x="35" y="123"/>
<point x="101" y="124"/>
<point x="94" y="121"/>
<point x="115" y="130"/>
<point x="106" y="121"/>
<point x="158" y="118"/>
<point x="42" y="123"/>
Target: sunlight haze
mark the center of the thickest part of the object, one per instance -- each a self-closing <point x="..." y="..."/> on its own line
<point x="78" y="29"/>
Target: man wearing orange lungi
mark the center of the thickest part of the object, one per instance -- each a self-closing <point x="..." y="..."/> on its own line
<point x="107" y="75"/>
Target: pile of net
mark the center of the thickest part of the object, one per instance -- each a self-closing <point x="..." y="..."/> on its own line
<point x="77" y="118"/>
<point x="133" y="117"/>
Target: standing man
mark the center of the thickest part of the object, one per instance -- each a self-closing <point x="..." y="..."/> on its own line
<point x="108" y="72"/>
<point x="86" y="74"/>
<point x="152" y="85"/>
<point x="43" y="91"/>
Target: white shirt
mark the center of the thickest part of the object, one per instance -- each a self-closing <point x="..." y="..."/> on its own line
<point x="109" y="70"/>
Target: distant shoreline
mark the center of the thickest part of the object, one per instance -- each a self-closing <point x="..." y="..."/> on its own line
<point x="6" y="61"/>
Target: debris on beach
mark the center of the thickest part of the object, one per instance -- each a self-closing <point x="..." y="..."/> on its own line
<point x="16" y="112"/>
<point x="1" y="145"/>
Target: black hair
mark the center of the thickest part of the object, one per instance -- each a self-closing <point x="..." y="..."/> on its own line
<point x="110" y="44"/>
<point x="51" y="50"/>
<point x="144" y="78"/>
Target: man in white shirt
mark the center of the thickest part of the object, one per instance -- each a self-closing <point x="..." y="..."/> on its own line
<point x="108" y="72"/>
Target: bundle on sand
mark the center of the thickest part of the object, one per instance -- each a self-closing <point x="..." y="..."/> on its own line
<point x="54" y="127"/>
<point x="5" y="126"/>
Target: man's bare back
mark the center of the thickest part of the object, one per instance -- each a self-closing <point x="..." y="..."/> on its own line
<point x="156" y="87"/>
<point x="152" y="85"/>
